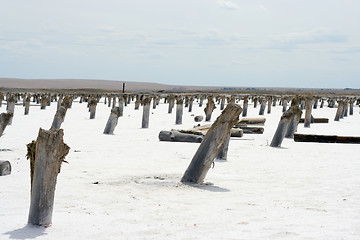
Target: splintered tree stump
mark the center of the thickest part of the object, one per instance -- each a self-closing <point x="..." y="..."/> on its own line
<point x="5" y="118"/>
<point x="59" y="117"/>
<point x="294" y="122"/>
<point x="284" y="104"/>
<point x="179" y="110"/>
<point x="112" y="121"/>
<point x="210" y="106"/>
<point x="5" y="168"/>
<point x="245" y="106"/>
<point x="176" y="136"/>
<point x="269" y="105"/>
<point x="211" y="145"/>
<point x="325" y="138"/>
<point x="137" y="104"/>
<point x="27" y="105"/>
<point x="121" y="106"/>
<point x="284" y="123"/>
<point x="171" y="103"/>
<point x="146" y="112"/>
<point x="339" y="111"/>
<point x="46" y="155"/>
<point x="11" y="106"/>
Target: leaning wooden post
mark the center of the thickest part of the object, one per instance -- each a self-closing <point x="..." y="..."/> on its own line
<point x="269" y="101"/>
<point x="46" y="155"/>
<point x="59" y="117"/>
<point x="339" y="110"/>
<point x="211" y="145"/>
<point x="285" y="101"/>
<point x="27" y="104"/>
<point x="346" y="106"/>
<point x="308" y="108"/>
<point x="92" y="107"/>
<point x="294" y="122"/>
<point x="112" y="121"/>
<point x="351" y="110"/>
<point x="245" y="106"/>
<point x="283" y="126"/>
<point x="179" y="110"/>
<point x="222" y="155"/>
<point x="11" y="106"/>
<point x="171" y="103"/>
<point x="210" y="106"/>
<point x="146" y="112"/>
<point x="4" y="121"/>
<point x="262" y="106"/>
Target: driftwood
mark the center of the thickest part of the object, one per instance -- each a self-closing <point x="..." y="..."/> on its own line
<point x="5" y="118"/>
<point x="59" y="117"/>
<point x="211" y="145"/>
<point x="177" y="136"/>
<point x="251" y="130"/>
<point x="112" y="121"/>
<point x="46" y="155"/>
<point x="255" y="121"/>
<point x="5" y="168"/>
<point x="325" y="138"/>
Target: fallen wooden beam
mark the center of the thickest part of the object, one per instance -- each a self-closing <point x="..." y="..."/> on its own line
<point x="251" y="130"/>
<point x="176" y="136"/>
<point x="325" y="138"/>
<point x="316" y="120"/>
<point x="257" y="121"/>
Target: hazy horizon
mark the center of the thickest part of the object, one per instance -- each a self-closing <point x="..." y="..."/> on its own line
<point x="275" y="43"/>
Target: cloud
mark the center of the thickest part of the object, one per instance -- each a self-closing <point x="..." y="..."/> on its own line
<point x="318" y="35"/>
<point x="227" y="5"/>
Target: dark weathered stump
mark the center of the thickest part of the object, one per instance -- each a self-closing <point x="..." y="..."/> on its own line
<point x="176" y="136"/>
<point x="210" y="106"/>
<point x="5" y="168"/>
<point x="222" y="103"/>
<point x="191" y="101"/>
<point x="92" y="107"/>
<point x="201" y="102"/>
<point x="325" y="138"/>
<point x="245" y="106"/>
<point x="339" y="111"/>
<point x="112" y="121"/>
<point x="308" y="109"/>
<point x="351" y="110"/>
<point x="11" y="106"/>
<point x="322" y="103"/>
<point x="316" y="120"/>
<point x="211" y="145"/>
<point x="269" y="105"/>
<point x="283" y="126"/>
<point x="171" y="103"/>
<point x="284" y="104"/>
<point x="46" y="155"/>
<point x="44" y="102"/>
<point x="222" y="155"/>
<point x="198" y="118"/>
<point x="294" y="122"/>
<point x="262" y="106"/>
<point x="179" y="110"/>
<point x="5" y="118"/>
<point x="59" y="117"/>
<point x="137" y="104"/>
<point x="146" y="112"/>
<point x="59" y="101"/>
<point x="121" y="106"/>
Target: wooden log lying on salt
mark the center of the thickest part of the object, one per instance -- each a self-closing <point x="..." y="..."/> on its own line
<point x="177" y="136"/>
<point x="255" y="121"/>
<point x="5" y="168"/>
<point x="316" y="120"/>
<point x="325" y="138"/>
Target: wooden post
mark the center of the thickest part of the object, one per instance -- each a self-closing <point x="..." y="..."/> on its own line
<point x="46" y="155"/>
<point x="114" y="102"/>
<point x="255" y="100"/>
<point x="294" y="122"/>
<point x="92" y="107"/>
<point x="339" y="110"/>
<point x="222" y="155"/>
<point x="43" y="102"/>
<point x="346" y="107"/>
<point x="154" y="102"/>
<point x="112" y="121"/>
<point x="322" y="103"/>
<point x="27" y="104"/>
<point x="171" y="103"/>
<point x="121" y="106"/>
<point x="59" y="101"/>
<point x="222" y="103"/>
<point x="316" y="100"/>
<point x="262" y="106"/>
<point x="146" y="112"/>
<point x="285" y="101"/>
<point x="137" y="102"/>
<point x="5" y="118"/>
<point x="245" y="106"/>
<point x="191" y="101"/>
<point x="351" y="111"/>
<point x="308" y="108"/>
<point x="11" y="107"/>
<point x="283" y="126"/>
<point x="201" y="101"/>
<point x="211" y="145"/>
<point x="59" y="117"/>
<point x="210" y="106"/>
<point x="269" y="105"/>
<point x="179" y="110"/>
<point x="1" y="98"/>
<point x="274" y="102"/>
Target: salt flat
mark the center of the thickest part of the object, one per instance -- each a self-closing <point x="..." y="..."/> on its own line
<point x="298" y="191"/>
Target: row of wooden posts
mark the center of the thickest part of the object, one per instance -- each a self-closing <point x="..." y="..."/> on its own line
<point x="48" y="151"/>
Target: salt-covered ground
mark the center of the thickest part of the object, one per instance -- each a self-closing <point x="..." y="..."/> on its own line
<point x="298" y="191"/>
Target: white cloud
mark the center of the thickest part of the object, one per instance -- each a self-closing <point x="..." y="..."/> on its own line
<point x="227" y="5"/>
<point x="318" y="35"/>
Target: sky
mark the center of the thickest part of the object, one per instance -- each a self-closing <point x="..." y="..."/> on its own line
<point x="235" y="43"/>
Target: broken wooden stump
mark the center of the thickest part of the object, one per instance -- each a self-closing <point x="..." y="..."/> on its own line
<point x="198" y="118"/>
<point x="5" y="118"/>
<point x="222" y="155"/>
<point x="177" y="136"/>
<point x="316" y="120"/>
<point x="262" y="106"/>
<point x="92" y="107"/>
<point x="171" y="103"/>
<point x="308" y="109"/>
<point x="283" y="125"/>
<point x="294" y="122"/>
<point x="211" y="145"/>
<point x="339" y="111"/>
<point x="210" y="106"/>
<point x="46" y="155"/>
<point x="325" y="138"/>
<point x="59" y="117"/>
<point x="146" y="112"/>
<point x="5" y="168"/>
<point x="27" y="105"/>
<point x="245" y="106"/>
<point x="256" y="121"/>
<point x="11" y="106"/>
<point x="179" y="110"/>
<point x="112" y="121"/>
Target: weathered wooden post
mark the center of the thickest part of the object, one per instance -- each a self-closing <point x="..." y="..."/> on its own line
<point x="179" y="110"/>
<point x="222" y="103"/>
<point x="146" y="112"/>
<point x="11" y="106"/>
<point x="294" y="121"/>
<point x="211" y="145"/>
<point x="308" y="108"/>
<point x="109" y="101"/>
<point x="171" y="103"/>
<point x="112" y="121"/>
<point x="255" y="100"/>
<point x="245" y="106"/>
<point x="191" y="101"/>
<point x="5" y="118"/>
<point x="59" y="117"/>
<point x="346" y="107"/>
<point x="60" y="100"/>
<point x="351" y="110"/>
<point x="114" y="102"/>
<point x="269" y="101"/>
<point x="46" y="155"/>
<point x="201" y="100"/>
<point x="262" y="106"/>
<point x="137" y="102"/>
<point x="285" y="101"/>
<point x="1" y="98"/>
<point x="274" y="101"/>
<point x="154" y="102"/>
<point x="121" y="106"/>
<point x="92" y="107"/>
<point x="316" y="100"/>
<point x="27" y="104"/>
<point x="322" y="103"/>
<point x="222" y="155"/>
<point x="43" y="102"/>
<point x="283" y="126"/>
<point x="339" y="110"/>
<point x="210" y="106"/>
